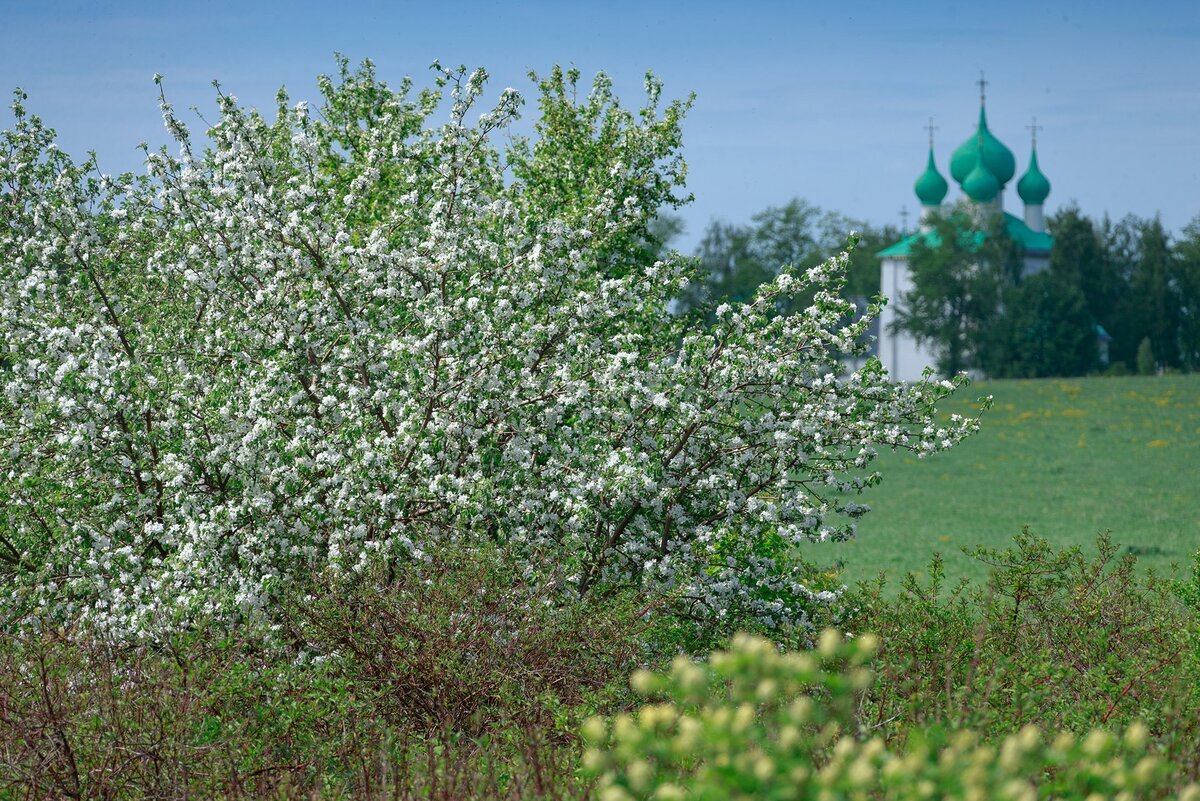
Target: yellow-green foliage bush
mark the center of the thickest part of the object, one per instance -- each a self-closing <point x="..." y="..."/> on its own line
<point x="754" y="723"/>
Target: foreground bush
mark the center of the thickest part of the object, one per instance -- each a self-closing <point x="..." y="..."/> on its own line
<point x="461" y="682"/>
<point x="463" y="643"/>
<point x="219" y="718"/>
<point x="357" y="335"/>
<point x="753" y="723"/>
<point x="1057" y="639"/>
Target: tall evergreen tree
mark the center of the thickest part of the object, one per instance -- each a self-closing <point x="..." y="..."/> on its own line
<point x="1045" y="330"/>
<point x="1187" y="278"/>
<point x="1154" y="294"/>
<point x="1121" y="242"/>
<point x="1078" y="258"/>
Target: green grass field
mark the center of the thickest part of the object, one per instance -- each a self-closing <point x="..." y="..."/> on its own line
<point x="1067" y="457"/>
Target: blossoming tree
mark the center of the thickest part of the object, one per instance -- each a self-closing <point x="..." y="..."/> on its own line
<point x="357" y="336"/>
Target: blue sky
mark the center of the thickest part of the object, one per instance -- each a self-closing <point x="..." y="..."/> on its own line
<point x="824" y="101"/>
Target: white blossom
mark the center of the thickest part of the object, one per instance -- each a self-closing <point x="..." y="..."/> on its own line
<point x="298" y="352"/>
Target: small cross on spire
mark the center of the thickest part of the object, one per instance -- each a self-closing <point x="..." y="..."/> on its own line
<point x="904" y="219"/>
<point x="931" y="128"/>
<point x="982" y="88"/>
<point x="1033" y="129"/>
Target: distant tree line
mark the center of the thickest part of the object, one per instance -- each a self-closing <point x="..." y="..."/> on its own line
<point x="1117" y="296"/>
<point x="735" y="258"/>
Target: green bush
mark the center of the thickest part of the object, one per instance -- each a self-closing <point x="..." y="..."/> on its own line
<point x="464" y="640"/>
<point x="1057" y="640"/>
<point x="754" y="723"/>
<point x="461" y="681"/>
<point x="681" y="624"/>
<point x="218" y="717"/>
<point x="1146" y="364"/>
<point x="456" y="680"/>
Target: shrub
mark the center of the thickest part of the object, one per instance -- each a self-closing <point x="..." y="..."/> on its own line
<point x="1146" y="363"/>
<point x="218" y="717"/>
<point x="358" y="335"/>
<point x="85" y="718"/>
<point x="463" y="643"/>
<point x="753" y="723"/>
<point x="1057" y="639"/>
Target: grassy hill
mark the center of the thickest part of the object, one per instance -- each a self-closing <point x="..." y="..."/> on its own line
<point x="1067" y="457"/>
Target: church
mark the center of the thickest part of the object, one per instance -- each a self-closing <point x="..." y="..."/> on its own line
<point x="982" y="166"/>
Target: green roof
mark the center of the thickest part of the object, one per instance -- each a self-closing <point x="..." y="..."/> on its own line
<point x="997" y="158"/>
<point x="1033" y="186"/>
<point x="1032" y="241"/>
<point x="980" y="185"/>
<point x="931" y="187"/>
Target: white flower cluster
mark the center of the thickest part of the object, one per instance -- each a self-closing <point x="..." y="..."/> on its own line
<point x="351" y="335"/>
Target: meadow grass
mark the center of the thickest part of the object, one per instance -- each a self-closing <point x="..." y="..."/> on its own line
<point x="1067" y="457"/>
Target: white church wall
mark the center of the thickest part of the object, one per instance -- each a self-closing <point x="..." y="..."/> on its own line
<point x="904" y="359"/>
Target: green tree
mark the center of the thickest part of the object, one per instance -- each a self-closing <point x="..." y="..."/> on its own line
<point x="584" y="147"/>
<point x="1078" y="257"/>
<point x="338" y="343"/>
<point x="1045" y="330"/>
<point x="1147" y="364"/>
<point x="959" y="272"/>
<point x="662" y="231"/>
<point x="862" y="274"/>
<point x="726" y="271"/>
<point x="733" y="260"/>
<point x="1187" y="278"/>
<point x="792" y="234"/>
<point x="1140" y="285"/>
<point x="1155" y="293"/>
<point x="1122" y="242"/>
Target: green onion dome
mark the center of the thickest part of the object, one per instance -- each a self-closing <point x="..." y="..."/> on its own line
<point x="931" y="186"/>
<point x="1033" y="186"/>
<point x="980" y="185"/>
<point x="997" y="158"/>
